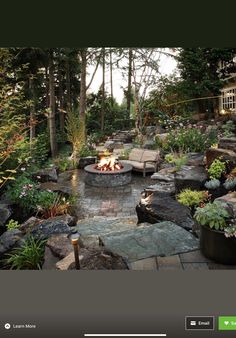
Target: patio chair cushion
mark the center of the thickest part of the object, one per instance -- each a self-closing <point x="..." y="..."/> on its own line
<point x="139" y="165"/>
<point x="136" y="154"/>
<point x="150" y="155"/>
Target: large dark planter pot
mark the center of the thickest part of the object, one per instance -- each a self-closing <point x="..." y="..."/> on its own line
<point x="216" y="246"/>
<point x="84" y="161"/>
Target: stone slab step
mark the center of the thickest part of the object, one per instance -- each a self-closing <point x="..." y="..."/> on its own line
<point x="160" y="239"/>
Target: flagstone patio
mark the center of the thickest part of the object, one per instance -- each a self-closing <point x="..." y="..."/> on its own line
<point x="110" y="214"/>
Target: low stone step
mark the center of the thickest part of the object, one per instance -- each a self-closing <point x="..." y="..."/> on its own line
<point x="160" y="239"/>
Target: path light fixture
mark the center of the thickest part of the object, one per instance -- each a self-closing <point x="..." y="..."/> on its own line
<point x="74" y="239"/>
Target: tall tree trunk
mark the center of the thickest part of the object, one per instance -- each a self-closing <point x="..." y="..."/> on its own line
<point x="129" y="91"/>
<point x="201" y="108"/>
<point x="103" y="90"/>
<point x="32" y="110"/>
<point x="68" y="85"/>
<point x="111" y="78"/>
<point x="82" y="101"/>
<point x="61" y="102"/>
<point x="52" y="110"/>
<point x="137" y="110"/>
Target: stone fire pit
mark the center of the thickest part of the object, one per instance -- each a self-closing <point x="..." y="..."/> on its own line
<point x="108" y="179"/>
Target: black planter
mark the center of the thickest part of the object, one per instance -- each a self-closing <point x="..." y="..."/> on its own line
<point x="216" y="246"/>
<point x="84" y="161"/>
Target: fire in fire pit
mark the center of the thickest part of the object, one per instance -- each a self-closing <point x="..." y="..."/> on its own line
<point x="108" y="164"/>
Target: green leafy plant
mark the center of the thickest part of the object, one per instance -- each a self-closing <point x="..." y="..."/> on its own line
<point x="189" y="140"/>
<point x="27" y="257"/>
<point x="11" y="225"/>
<point x="64" y="163"/>
<point x="86" y="151"/>
<point x="192" y="198"/>
<point x="75" y="128"/>
<point x="230" y="231"/>
<point x="124" y="154"/>
<point x="217" y="169"/>
<point x="51" y="204"/>
<point x="24" y="192"/>
<point x="229" y="129"/>
<point x="178" y="159"/>
<point x="40" y="148"/>
<point x="213" y="215"/>
<point x="212" y="184"/>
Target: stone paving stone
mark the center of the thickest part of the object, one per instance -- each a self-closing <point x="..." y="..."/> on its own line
<point x="216" y="266"/>
<point x="195" y="266"/>
<point x="164" y="238"/>
<point x="144" y="264"/>
<point x="169" y="263"/>
<point x="193" y="257"/>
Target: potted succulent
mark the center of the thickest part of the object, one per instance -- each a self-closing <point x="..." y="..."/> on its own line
<point x="218" y="232"/>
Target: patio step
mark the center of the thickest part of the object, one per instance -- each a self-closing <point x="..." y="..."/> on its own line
<point x="122" y="236"/>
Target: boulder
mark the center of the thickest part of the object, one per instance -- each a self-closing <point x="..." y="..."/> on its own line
<point x="59" y="245"/>
<point x="94" y="259"/>
<point x="229" y="198"/>
<point x="49" y="260"/>
<point x="195" y="159"/>
<point x="46" y="175"/>
<point x="224" y="154"/>
<point x="9" y="239"/>
<point x="228" y="143"/>
<point x="164" y="175"/>
<point x="158" y="207"/>
<point x="162" y="188"/>
<point x="162" y="136"/>
<point x="27" y="226"/>
<point x="190" y="177"/>
<point x="149" y="144"/>
<point x="5" y="213"/>
<point x="83" y="161"/>
<point x="49" y="227"/>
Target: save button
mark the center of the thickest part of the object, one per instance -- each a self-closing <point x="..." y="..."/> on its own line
<point x="227" y="323"/>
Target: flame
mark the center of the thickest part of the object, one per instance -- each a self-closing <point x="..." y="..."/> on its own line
<point x="108" y="164"/>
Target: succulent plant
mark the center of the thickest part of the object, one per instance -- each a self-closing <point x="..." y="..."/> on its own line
<point x="230" y="183"/>
<point x="212" y="184"/>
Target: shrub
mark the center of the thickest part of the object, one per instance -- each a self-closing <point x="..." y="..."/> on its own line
<point x="189" y="140"/>
<point x="177" y="159"/>
<point x="41" y="148"/>
<point x="27" y="257"/>
<point x="23" y="192"/>
<point x="51" y="204"/>
<point x="213" y="215"/>
<point x="87" y="151"/>
<point x="75" y="128"/>
<point x="229" y="129"/>
<point x="124" y="155"/>
<point x="216" y="169"/>
<point x="192" y="198"/>
<point x="64" y="163"/>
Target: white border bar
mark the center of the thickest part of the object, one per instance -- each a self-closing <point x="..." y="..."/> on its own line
<point x="125" y="334"/>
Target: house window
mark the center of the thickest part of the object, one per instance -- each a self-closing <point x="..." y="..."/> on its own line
<point x="228" y="99"/>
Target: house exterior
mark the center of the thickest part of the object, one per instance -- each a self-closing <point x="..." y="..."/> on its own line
<point x="227" y="102"/>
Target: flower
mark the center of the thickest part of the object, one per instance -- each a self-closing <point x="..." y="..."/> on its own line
<point x="22" y="169"/>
